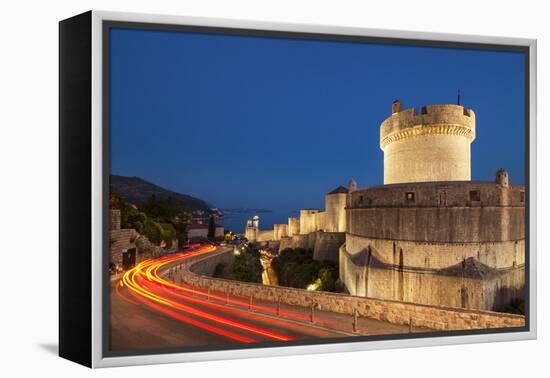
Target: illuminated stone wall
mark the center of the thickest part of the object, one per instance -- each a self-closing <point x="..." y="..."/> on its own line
<point x="309" y="220"/>
<point x="458" y="212"/>
<point x="466" y="284"/>
<point x="335" y="209"/>
<point x="327" y="245"/>
<point x="293" y="226"/>
<point x="434" y="317"/>
<point x="432" y="255"/>
<point x="439" y="243"/>
<point x="333" y="219"/>
<point x="264" y="235"/>
<point x="280" y="231"/>
<point x="250" y="233"/>
<point x="295" y="241"/>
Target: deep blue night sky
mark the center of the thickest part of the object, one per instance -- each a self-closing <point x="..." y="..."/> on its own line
<point x="276" y="123"/>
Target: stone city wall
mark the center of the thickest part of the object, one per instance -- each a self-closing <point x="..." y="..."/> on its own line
<point x="280" y="231"/>
<point x="293" y="226"/>
<point x="296" y="241"/>
<point x="327" y="245"/>
<point x="121" y="241"/>
<point x="333" y="219"/>
<point x="335" y="209"/>
<point x="440" y="224"/>
<point x="299" y="241"/>
<point x="208" y="265"/>
<point x="499" y="291"/>
<point x="127" y="238"/>
<point x="250" y="233"/>
<point x="308" y="221"/>
<point x="440" y="194"/>
<point x="434" y="317"/>
<point x="273" y="244"/>
<point x="454" y="288"/>
<point x="253" y="234"/>
<point x="429" y="255"/>
<point x="264" y="235"/>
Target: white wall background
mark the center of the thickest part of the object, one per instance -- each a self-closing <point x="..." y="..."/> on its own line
<point x="28" y="186"/>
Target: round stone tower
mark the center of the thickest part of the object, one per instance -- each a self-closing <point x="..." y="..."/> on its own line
<point x="335" y="210"/>
<point x="431" y="146"/>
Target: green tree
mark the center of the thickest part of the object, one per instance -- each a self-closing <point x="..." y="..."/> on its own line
<point x="297" y="268"/>
<point x="169" y="210"/>
<point x="168" y="233"/>
<point x="153" y="231"/>
<point x="211" y="228"/>
<point x="246" y="268"/>
<point x="181" y="223"/>
<point x="158" y="219"/>
<point x="163" y="208"/>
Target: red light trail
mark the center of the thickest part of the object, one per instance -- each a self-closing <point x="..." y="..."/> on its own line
<point x="148" y="287"/>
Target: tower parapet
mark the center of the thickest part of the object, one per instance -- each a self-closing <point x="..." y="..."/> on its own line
<point x="502" y="178"/>
<point x="431" y="146"/>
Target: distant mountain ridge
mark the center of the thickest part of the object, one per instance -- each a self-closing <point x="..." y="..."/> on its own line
<point x="137" y="190"/>
<point x="246" y="210"/>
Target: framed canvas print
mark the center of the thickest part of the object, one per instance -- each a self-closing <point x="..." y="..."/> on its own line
<point x="231" y="189"/>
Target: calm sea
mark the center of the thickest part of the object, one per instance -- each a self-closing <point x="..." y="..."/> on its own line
<point x="236" y="222"/>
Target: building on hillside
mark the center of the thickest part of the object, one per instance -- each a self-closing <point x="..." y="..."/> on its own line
<point x="197" y="231"/>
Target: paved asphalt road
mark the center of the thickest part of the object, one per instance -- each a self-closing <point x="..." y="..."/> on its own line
<point x="150" y="312"/>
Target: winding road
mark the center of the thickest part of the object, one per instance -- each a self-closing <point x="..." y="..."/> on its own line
<point x="150" y="309"/>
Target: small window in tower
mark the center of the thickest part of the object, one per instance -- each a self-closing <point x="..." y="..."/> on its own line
<point x="409" y="196"/>
<point x="475" y="195"/>
<point x="521" y="196"/>
<point x="443" y="198"/>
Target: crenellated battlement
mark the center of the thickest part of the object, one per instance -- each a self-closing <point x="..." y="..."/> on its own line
<point x="433" y="119"/>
